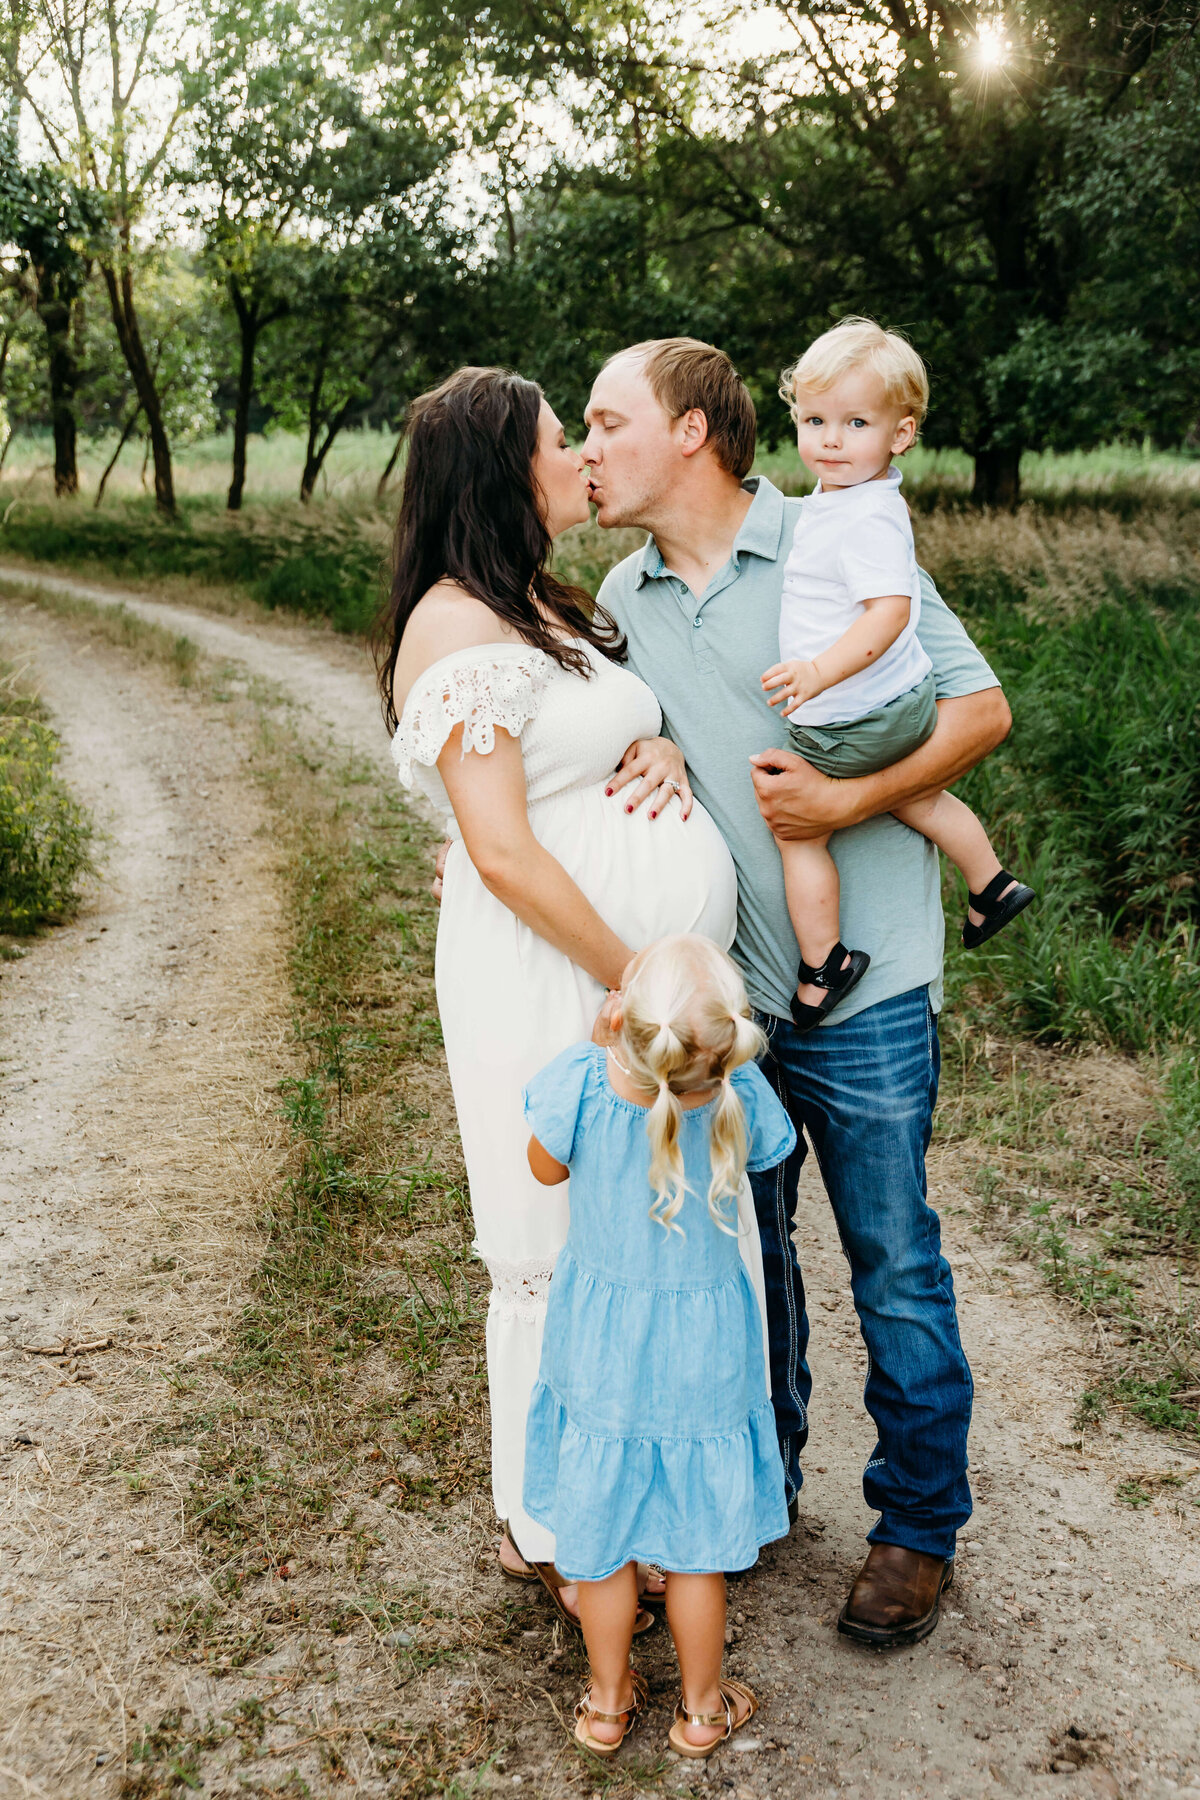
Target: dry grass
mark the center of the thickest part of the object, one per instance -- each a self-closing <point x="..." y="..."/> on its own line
<point x="1063" y="563"/>
<point x="1058" y="1155"/>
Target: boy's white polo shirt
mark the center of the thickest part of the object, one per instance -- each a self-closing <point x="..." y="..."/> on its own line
<point x="851" y="545"/>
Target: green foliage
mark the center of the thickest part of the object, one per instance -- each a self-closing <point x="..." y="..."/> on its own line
<point x="1177" y="1135"/>
<point x="1096" y="800"/>
<point x="1165" y="1404"/>
<point x="327" y="564"/>
<point x="44" y="833"/>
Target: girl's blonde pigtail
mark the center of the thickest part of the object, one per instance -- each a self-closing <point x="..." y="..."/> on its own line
<point x="728" y="1148"/>
<point x="662" y="1056"/>
<point x="666" y="1158"/>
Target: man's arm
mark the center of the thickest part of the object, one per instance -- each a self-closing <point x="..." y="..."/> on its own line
<point x="796" y="801"/>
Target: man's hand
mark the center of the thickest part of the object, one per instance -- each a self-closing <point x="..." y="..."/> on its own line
<point x="797" y="801"/>
<point x="657" y="767"/>
<point x="794" y="682"/>
<point x="439" y="868"/>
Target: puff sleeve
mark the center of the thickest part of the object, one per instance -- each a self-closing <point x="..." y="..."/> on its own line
<point x="770" y="1134"/>
<point x="554" y="1099"/>
<point x="479" y="690"/>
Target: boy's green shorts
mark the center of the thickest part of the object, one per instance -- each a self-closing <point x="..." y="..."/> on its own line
<point x="883" y="737"/>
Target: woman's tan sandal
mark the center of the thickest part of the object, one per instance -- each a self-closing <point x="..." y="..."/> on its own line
<point x="585" y="1711"/>
<point x="553" y="1582"/>
<point x="731" y="1693"/>
<point x="528" y="1573"/>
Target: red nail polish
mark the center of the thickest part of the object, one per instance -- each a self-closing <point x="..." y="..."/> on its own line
<point x="654" y="815"/>
<point x="608" y="793"/>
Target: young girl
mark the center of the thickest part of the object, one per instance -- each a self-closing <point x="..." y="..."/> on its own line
<point x="651" y="1437"/>
<point x="855" y="684"/>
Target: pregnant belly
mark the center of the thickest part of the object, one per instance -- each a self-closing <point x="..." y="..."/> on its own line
<point x="645" y="877"/>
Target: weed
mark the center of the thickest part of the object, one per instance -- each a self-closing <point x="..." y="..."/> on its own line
<point x="1090" y="1409"/>
<point x="1167" y="1403"/>
<point x="1177" y="1133"/>
<point x="165" y="1758"/>
<point x="1132" y="1493"/>
<point x="205" y="1631"/>
<point x="45" y="835"/>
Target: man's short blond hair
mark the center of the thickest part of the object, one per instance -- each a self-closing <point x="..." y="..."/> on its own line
<point x="856" y="343"/>
<point x="686" y="375"/>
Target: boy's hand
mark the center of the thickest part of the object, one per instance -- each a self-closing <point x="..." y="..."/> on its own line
<point x="794" y="682"/>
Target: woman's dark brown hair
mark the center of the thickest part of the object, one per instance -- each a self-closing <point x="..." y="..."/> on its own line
<point x="470" y="511"/>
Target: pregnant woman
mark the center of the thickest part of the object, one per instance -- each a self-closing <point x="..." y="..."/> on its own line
<point x="510" y="712"/>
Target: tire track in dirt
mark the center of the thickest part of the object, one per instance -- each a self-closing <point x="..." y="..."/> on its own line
<point x="141" y="1046"/>
<point x="1072" y="1635"/>
<point x="327" y="674"/>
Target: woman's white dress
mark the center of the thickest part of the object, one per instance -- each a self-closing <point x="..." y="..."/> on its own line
<point x="508" y="1000"/>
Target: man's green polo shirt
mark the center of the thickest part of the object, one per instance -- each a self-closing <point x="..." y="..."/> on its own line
<point x="704" y="660"/>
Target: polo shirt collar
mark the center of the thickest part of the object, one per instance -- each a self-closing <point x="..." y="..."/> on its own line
<point x="760" y="534"/>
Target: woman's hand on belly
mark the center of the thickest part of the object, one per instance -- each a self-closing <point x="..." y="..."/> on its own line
<point x="652" y="769"/>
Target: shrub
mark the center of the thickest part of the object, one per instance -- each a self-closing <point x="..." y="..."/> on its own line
<point x="44" y="833"/>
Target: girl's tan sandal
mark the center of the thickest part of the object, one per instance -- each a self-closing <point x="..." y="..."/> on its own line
<point x="628" y="1716"/>
<point x="528" y="1573"/>
<point x="552" y="1581"/>
<point x="731" y="1693"/>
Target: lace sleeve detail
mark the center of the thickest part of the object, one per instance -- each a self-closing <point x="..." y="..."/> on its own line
<point x="479" y="695"/>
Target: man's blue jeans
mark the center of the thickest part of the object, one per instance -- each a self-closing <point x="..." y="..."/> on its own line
<point x="863" y="1093"/>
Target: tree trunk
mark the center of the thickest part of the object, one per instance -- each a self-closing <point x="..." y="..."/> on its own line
<point x="998" y="478"/>
<point x="126" y="431"/>
<point x="315" y="458"/>
<point x="63" y="374"/>
<point x="119" y="284"/>
<point x="248" y="326"/>
<point x="390" y="465"/>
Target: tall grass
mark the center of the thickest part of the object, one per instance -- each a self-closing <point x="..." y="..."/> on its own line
<point x="1096" y="796"/>
<point x="44" y="833"/>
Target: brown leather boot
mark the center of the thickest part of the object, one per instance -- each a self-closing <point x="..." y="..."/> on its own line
<point x="895" y="1597"/>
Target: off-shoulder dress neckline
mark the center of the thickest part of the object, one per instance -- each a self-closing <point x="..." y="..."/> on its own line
<point x="517" y="644"/>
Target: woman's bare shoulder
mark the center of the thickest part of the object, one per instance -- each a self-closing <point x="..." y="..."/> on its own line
<point x="444" y="620"/>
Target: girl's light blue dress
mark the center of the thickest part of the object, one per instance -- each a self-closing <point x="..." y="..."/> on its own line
<point x="651" y="1437"/>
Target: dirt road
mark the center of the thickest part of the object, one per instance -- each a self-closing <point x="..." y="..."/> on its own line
<point x="141" y="1047"/>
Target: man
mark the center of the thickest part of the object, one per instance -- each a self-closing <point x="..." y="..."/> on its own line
<point x="671" y="433"/>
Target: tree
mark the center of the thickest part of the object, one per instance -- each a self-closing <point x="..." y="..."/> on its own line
<point x="888" y="156"/>
<point x="181" y="336"/>
<point x="52" y="223"/>
<point x="262" y="108"/>
<point x="102" y="86"/>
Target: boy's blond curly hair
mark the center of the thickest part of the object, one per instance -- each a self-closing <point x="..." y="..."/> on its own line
<point x="857" y="343"/>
